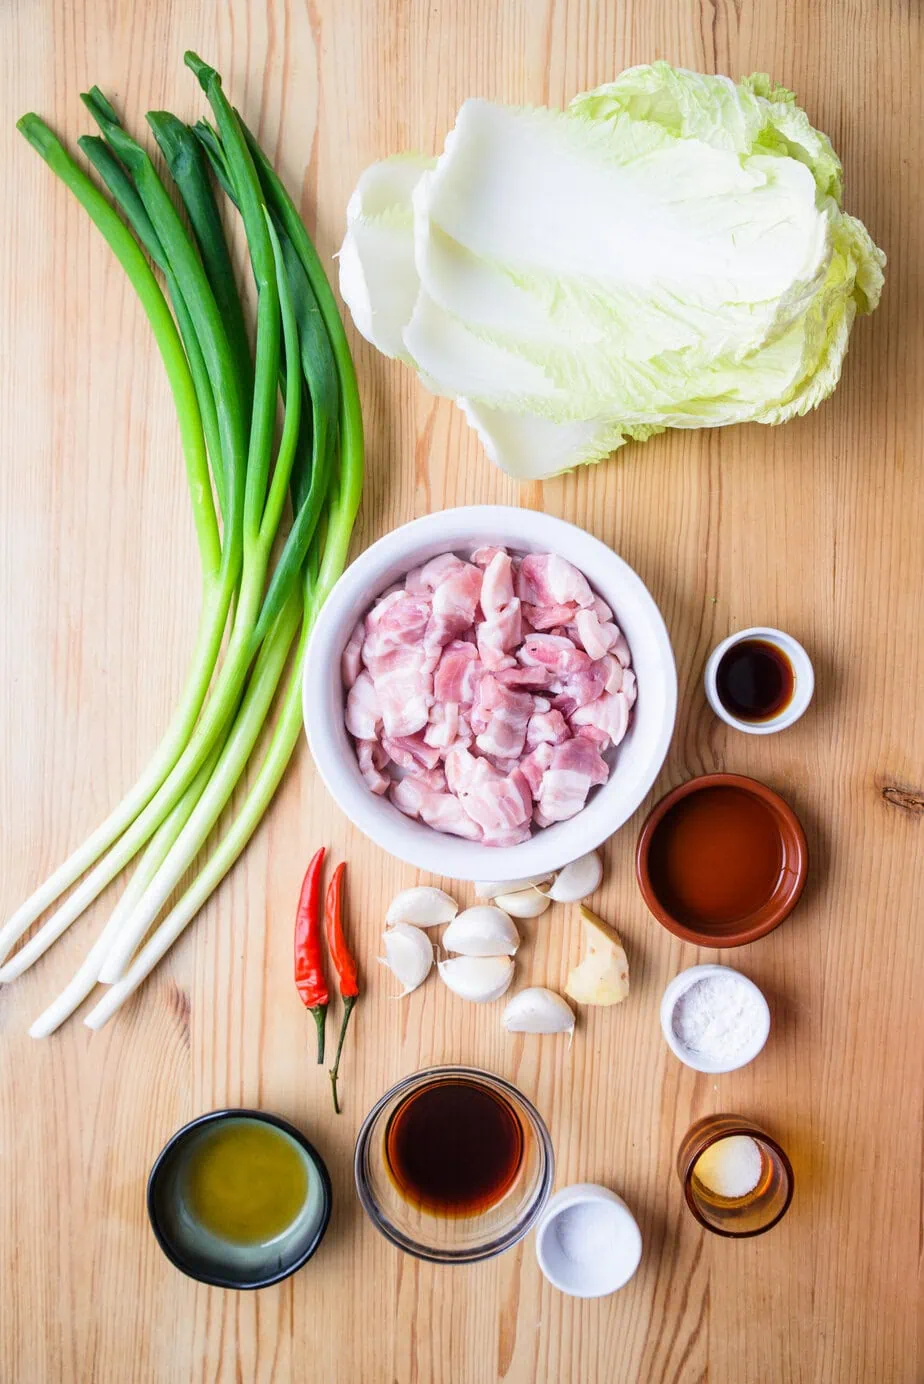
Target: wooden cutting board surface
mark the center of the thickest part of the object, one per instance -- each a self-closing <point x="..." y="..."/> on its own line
<point x="815" y="527"/>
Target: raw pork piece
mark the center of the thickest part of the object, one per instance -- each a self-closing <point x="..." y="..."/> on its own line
<point x="609" y="713"/>
<point x="500" y="717"/>
<point x="549" y="617"/>
<point x="500" y="803"/>
<point x="372" y="760"/>
<point x="363" y="708"/>
<point x="458" y="673"/>
<point x="576" y="766"/>
<point x="441" y="811"/>
<point x="553" y="651"/>
<point x="351" y="660"/>
<point x="547" y="727"/>
<point x="533" y="766"/>
<point x="411" y="752"/>
<point x="455" y="601"/>
<point x="545" y="579"/>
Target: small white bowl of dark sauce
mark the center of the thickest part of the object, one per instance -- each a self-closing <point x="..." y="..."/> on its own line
<point x="759" y="680"/>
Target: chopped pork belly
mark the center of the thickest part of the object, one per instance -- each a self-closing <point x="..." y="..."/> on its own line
<point x="441" y="811"/>
<point x="351" y="660"/>
<point x="372" y="760"/>
<point x="609" y="713"/>
<point x="481" y="693"/>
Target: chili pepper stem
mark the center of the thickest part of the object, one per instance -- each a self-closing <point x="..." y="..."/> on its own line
<point x="319" y="1012"/>
<point x="348" y="1003"/>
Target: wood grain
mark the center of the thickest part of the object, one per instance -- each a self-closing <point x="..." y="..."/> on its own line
<point x="815" y="527"/>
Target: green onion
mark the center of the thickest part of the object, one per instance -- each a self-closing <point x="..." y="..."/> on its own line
<point x="227" y="406"/>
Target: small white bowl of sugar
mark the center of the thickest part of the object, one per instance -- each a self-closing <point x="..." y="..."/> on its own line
<point x="588" y="1242"/>
<point x="714" y="1018"/>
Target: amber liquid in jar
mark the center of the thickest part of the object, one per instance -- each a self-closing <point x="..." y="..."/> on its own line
<point x="454" y="1148"/>
<point x="755" y="680"/>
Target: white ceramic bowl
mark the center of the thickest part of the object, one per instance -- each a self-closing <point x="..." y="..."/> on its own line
<point x="803" y="680"/>
<point x="678" y="987"/>
<point x="609" y="1258"/>
<point x="638" y="759"/>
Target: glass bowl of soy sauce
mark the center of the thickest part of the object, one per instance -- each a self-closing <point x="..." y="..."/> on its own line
<point x="453" y="1165"/>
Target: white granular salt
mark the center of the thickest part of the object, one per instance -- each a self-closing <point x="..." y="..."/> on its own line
<point x="585" y="1235"/>
<point x="719" y="1018"/>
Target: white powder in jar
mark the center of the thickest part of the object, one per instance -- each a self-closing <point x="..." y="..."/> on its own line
<point x="730" y="1167"/>
<point x="719" y="1018"/>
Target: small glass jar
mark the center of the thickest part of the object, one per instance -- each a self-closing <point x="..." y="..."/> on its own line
<point x="756" y="1209"/>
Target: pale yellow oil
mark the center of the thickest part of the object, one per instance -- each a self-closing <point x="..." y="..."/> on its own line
<point x="246" y="1182"/>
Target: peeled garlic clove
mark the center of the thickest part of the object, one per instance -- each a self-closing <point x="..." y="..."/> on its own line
<point x="423" y="906"/>
<point x="408" y="955"/>
<point x="481" y="931"/>
<point x="526" y="903"/>
<point x="478" y="978"/>
<point x="538" y="1010"/>
<point x="578" y="880"/>
<point x="490" y="888"/>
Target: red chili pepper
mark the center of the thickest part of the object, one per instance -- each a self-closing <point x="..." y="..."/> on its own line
<point x="344" y="963"/>
<point x="309" y="966"/>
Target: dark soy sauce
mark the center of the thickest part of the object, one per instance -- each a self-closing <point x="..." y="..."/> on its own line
<point x="754" y="680"/>
<point x="454" y="1148"/>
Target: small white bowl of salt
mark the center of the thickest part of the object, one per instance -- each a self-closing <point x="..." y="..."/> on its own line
<point x="714" y="1018"/>
<point x="588" y="1242"/>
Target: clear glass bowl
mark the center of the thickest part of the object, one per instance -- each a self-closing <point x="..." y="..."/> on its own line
<point x="434" y="1235"/>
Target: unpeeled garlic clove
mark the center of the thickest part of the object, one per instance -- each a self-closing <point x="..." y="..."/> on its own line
<point x="478" y="978"/>
<point x="578" y="880"/>
<point x="490" y="888"/>
<point x="538" y="1010"/>
<point x="525" y="903"/>
<point x="423" y="906"/>
<point x="408" y="955"/>
<point x="481" y="931"/>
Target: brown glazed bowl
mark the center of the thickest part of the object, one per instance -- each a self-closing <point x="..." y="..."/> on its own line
<point x="769" y="915"/>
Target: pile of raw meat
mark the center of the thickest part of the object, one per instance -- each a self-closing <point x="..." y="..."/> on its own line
<point x="482" y="694"/>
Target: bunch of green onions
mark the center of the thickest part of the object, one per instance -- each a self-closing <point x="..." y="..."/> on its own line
<point x="247" y="470"/>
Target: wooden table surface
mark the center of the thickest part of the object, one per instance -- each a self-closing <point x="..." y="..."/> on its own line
<point x="815" y="527"/>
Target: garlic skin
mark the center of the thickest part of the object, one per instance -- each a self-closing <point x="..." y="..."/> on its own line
<point x="537" y="1010"/>
<point x="408" y="955"/>
<point x="477" y="978"/>
<point x="423" y="906"/>
<point x="490" y="888"/>
<point x="481" y="931"/>
<point x="578" y="880"/>
<point x="526" y="903"/>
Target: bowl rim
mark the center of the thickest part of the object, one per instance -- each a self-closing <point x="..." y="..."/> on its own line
<point x="765" y="919"/>
<point x="217" y="1280"/>
<point x="448" y="855"/>
<point x="414" y="1247"/>
<point x="678" y="987"/>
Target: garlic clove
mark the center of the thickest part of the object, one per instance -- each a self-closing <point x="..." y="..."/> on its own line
<point x="478" y="978"/>
<point x="526" y="903"/>
<point x="424" y="906"/>
<point x="490" y="888"/>
<point x="578" y="880"/>
<point x="408" y="955"/>
<point x="537" y="1010"/>
<point x="481" y="931"/>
